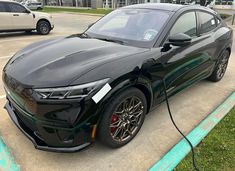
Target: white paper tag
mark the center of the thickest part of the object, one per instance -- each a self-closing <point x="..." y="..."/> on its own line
<point x="100" y="94"/>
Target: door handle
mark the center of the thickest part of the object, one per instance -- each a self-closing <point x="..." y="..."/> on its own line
<point x="15" y="15"/>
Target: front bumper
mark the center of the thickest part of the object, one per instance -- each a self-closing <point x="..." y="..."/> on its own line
<point x="52" y="26"/>
<point x="46" y="136"/>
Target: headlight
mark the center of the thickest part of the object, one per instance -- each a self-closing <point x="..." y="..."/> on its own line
<point x="78" y="91"/>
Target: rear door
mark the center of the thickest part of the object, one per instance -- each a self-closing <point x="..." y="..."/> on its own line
<point x="5" y="17"/>
<point x="21" y="18"/>
<point x="210" y="33"/>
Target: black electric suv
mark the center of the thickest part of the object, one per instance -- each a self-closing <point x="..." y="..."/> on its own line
<point x="64" y="92"/>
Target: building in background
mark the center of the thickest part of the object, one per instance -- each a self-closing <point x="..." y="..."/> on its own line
<point x="220" y="4"/>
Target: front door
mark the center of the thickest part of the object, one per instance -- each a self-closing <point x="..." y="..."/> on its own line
<point x="21" y="17"/>
<point x="5" y="17"/>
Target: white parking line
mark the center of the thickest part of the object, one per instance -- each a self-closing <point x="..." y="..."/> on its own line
<point x="2" y="96"/>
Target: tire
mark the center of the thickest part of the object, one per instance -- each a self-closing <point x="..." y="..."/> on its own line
<point x="220" y="67"/>
<point x="117" y="126"/>
<point x="43" y="27"/>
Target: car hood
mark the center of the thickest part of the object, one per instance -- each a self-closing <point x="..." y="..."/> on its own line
<point x="58" y="62"/>
<point x="41" y="13"/>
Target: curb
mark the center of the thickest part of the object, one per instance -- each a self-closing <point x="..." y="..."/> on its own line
<point x="176" y="154"/>
<point x="7" y="162"/>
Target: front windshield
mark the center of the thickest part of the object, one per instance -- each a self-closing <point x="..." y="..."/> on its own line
<point x="135" y="26"/>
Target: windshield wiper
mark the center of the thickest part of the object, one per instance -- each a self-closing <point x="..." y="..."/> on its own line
<point x="85" y="35"/>
<point x="112" y="40"/>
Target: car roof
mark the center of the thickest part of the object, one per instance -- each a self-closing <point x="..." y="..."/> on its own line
<point x="169" y="7"/>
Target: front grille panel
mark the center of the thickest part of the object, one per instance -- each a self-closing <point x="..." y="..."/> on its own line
<point x="20" y="95"/>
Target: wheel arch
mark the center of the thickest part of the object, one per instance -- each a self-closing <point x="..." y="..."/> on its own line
<point x="119" y="85"/>
<point x="43" y="19"/>
<point x="137" y="82"/>
<point x="124" y="83"/>
<point x="228" y="49"/>
<point x="225" y="48"/>
<point x="148" y="95"/>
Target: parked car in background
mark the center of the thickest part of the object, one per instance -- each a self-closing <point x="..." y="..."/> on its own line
<point x="33" y="5"/>
<point x="16" y="17"/>
<point x="52" y="3"/>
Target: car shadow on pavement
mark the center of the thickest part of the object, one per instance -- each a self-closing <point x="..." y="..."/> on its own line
<point x="17" y="34"/>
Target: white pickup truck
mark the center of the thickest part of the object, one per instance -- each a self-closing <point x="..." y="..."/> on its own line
<point x="16" y="17"/>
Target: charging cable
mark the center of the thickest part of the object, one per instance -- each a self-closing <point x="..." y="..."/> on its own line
<point x="172" y="119"/>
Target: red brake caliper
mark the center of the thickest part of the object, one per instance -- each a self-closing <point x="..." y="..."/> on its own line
<point x="113" y="120"/>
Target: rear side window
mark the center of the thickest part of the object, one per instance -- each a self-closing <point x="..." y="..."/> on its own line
<point x="16" y="8"/>
<point x="208" y="22"/>
<point x="186" y="24"/>
<point x="2" y="7"/>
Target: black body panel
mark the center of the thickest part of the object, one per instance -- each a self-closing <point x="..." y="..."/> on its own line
<point x="70" y="124"/>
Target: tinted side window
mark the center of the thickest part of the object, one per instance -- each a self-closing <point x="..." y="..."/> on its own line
<point x="185" y="24"/>
<point x="2" y="7"/>
<point x="16" y="8"/>
<point x="208" y="22"/>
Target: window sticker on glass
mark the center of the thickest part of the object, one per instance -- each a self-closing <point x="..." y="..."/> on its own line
<point x="148" y="36"/>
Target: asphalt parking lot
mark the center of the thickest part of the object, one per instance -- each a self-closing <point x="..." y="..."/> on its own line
<point x="155" y="138"/>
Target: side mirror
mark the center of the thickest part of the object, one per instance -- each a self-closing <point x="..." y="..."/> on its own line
<point x="180" y="39"/>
